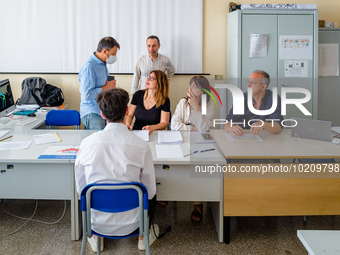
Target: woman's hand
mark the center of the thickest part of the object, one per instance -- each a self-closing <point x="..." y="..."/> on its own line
<point x="149" y="128"/>
<point x="194" y="101"/>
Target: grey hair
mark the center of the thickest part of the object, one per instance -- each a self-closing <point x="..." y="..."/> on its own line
<point x="265" y="77"/>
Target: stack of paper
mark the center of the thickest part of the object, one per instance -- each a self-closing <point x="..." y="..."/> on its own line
<point x="5" y="146"/>
<point x="170" y="137"/>
<point x="169" y="151"/>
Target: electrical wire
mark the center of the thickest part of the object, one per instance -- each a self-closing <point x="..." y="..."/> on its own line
<point x="296" y="136"/>
<point x="30" y="218"/>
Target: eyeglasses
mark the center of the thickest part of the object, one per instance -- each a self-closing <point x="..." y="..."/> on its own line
<point x="151" y="78"/>
<point x="253" y="82"/>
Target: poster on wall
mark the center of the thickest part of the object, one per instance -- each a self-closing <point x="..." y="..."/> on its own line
<point x="296" y="68"/>
<point x="258" y="46"/>
<point x="296" y="47"/>
<point x="329" y="59"/>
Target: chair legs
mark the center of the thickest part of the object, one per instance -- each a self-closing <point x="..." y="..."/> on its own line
<point x="146" y="233"/>
<point x="98" y="245"/>
<point x="83" y="244"/>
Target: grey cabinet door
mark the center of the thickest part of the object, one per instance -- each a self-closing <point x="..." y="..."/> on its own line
<point x="299" y="25"/>
<point x="259" y="24"/>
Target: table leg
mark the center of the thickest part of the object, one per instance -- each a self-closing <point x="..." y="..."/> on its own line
<point x="226" y="229"/>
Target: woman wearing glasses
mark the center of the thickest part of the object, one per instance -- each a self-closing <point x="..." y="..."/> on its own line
<point x="151" y="106"/>
<point x="189" y="116"/>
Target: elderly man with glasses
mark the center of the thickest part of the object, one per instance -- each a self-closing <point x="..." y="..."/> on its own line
<point x="262" y="100"/>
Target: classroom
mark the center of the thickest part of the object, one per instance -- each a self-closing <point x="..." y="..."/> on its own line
<point x="247" y="229"/>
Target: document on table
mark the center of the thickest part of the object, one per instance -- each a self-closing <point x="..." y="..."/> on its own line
<point x="60" y="152"/>
<point x="246" y="138"/>
<point x="4" y="132"/>
<point x="4" y="146"/>
<point x="335" y="129"/>
<point x="25" y="121"/>
<point x="144" y="134"/>
<point x="205" y="151"/>
<point x="170" y="137"/>
<point x="46" y="138"/>
<point x="169" y="151"/>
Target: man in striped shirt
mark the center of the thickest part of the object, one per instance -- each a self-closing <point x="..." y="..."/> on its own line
<point x="149" y="62"/>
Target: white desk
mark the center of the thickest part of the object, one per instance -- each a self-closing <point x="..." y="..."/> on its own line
<point x="27" y="177"/>
<point x="179" y="183"/>
<point x="278" y="194"/>
<point x="317" y="242"/>
<point x="24" y="176"/>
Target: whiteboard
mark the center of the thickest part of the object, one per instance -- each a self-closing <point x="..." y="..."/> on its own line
<point x="57" y="36"/>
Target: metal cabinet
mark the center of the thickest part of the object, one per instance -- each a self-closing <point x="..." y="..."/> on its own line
<point x="241" y="24"/>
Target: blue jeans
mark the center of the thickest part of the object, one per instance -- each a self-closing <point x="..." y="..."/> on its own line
<point x="93" y="121"/>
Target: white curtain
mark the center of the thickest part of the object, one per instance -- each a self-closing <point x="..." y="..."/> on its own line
<point x="57" y="36"/>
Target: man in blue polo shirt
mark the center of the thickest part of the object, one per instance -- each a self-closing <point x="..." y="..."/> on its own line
<point x="262" y="100"/>
<point x="93" y="78"/>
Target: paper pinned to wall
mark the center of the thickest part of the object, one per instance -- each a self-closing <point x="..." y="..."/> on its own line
<point x="258" y="46"/>
<point x="329" y="59"/>
<point x="296" y="47"/>
<point x="296" y="68"/>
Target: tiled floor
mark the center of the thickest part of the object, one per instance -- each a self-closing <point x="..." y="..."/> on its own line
<point x="249" y="235"/>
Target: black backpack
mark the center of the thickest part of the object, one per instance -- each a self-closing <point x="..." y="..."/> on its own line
<point x="51" y="95"/>
<point x="34" y="90"/>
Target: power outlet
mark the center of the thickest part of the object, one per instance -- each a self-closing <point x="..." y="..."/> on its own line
<point x="218" y="76"/>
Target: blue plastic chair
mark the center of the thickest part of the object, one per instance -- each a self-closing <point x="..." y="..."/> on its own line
<point x="63" y="118"/>
<point x="115" y="198"/>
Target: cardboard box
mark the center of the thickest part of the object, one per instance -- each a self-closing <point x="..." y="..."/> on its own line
<point x="322" y="23"/>
<point x="329" y="24"/>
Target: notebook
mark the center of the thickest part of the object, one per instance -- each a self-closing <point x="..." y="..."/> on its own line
<point x="313" y="129"/>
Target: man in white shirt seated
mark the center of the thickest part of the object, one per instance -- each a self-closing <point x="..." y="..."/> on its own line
<point x="116" y="155"/>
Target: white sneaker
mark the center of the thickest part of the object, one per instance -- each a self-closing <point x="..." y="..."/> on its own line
<point x="152" y="237"/>
<point x="93" y="243"/>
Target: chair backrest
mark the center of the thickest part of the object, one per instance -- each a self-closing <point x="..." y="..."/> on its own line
<point x="114" y="198"/>
<point x="169" y="125"/>
<point x="63" y="118"/>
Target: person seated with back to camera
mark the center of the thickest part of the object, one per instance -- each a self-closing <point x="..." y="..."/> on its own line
<point x="151" y="106"/>
<point x="188" y="117"/>
<point x="115" y="155"/>
<point x="262" y="100"/>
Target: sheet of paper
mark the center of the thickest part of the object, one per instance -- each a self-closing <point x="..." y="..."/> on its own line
<point x="205" y="151"/>
<point x="169" y="151"/>
<point x="329" y="59"/>
<point x="198" y="138"/>
<point x="25" y="121"/>
<point x="4" y="132"/>
<point x="170" y="137"/>
<point x="14" y="145"/>
<point x="60" y="152"/>
<point x="296" y="47"/>
<point x="46" y="138"/>
<point x="296" y="68"/>
<point x="258" y="46"/>
<point x="25" y="107"/>
<point x="246" y="138"/>
<point x="142" y="134"/>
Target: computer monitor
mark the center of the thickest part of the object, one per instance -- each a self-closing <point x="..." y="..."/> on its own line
<point x="7" y="104"/>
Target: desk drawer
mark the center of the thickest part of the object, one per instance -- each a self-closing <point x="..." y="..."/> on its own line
<point x="36" y="181"/>
<point x="176" y="184"/>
